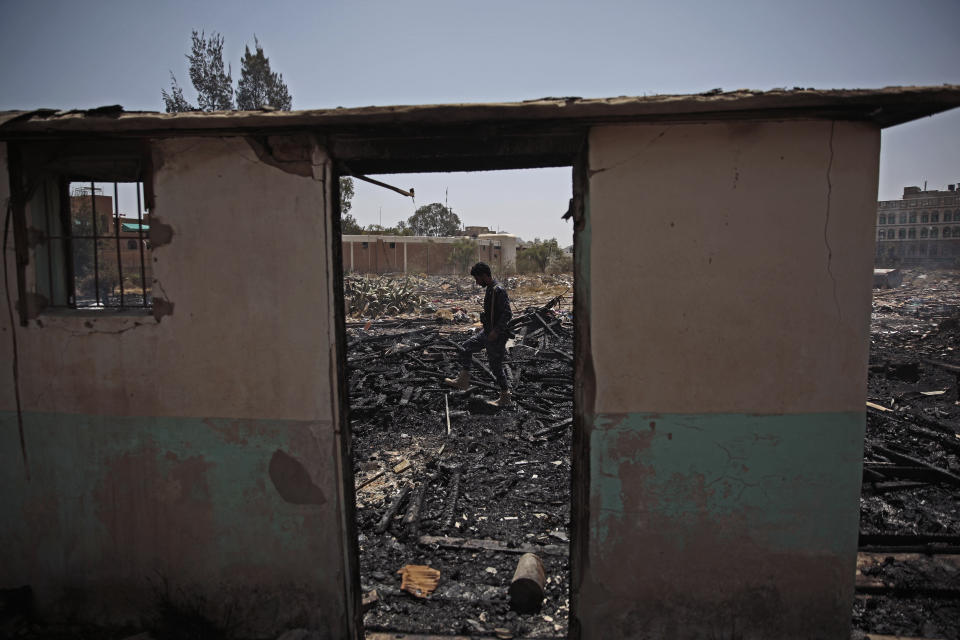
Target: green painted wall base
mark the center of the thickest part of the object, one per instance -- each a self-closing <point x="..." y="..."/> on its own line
<point x="242" y="512"/>
<point x="722" y="522"/>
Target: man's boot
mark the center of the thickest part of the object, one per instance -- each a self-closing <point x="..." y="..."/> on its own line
<point x="503" y="401"/>
<point x="461" y="382"/>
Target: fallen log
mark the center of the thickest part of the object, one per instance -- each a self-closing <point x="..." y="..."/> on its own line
<point x="412" y="517"/>
<point x="391" y="511"/>
<point x="939" y="474"/>
<point x="452" y="498"/>
<point x="549" y="429"/>
<point x="527" y="585"/>
<point x="473" y="544"/>
<point x="370" y="479"/>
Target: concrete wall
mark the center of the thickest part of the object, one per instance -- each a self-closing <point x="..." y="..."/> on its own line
<point x="723" y="393"/>
<point x="419" y="254"/>
<point x="198" y="447"/>
<point x="729" y="349"/>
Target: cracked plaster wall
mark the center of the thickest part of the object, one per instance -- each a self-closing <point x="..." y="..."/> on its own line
<point x="154" y="443"/>
<point x="729" y="340"/>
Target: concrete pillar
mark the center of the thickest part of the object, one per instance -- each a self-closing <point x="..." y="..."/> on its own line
<point x="727" y="270"/>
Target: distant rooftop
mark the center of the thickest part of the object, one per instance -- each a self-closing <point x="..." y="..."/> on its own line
<point x="917" y="192"/>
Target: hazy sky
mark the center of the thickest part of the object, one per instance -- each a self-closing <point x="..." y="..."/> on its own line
<point x="79" y="54"/>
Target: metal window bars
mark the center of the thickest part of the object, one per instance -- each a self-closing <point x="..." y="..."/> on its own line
<point x="90" y="247"/>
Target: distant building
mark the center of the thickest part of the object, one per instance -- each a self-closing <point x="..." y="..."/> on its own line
<point x="475" y="232"/>
<point x="423" y="254"/>
<point x="922" y="228"/>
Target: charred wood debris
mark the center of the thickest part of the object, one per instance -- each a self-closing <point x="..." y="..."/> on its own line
<point x="445" y="482"/>
<point x="471" y="501"/>
<point x="908" y="573"/>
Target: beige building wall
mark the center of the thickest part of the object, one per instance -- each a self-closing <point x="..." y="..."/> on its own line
<point x="198" y="445"/>
<point x="729" y="348"/>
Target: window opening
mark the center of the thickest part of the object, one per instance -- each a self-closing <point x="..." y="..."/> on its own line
<point x="95" y="246"/>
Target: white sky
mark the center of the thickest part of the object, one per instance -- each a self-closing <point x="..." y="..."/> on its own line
<point x="69" y="54"/>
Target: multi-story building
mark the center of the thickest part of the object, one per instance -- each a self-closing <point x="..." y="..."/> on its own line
<point x="922" y="228"/>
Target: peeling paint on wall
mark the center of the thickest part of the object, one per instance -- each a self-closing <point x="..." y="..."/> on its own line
<point x="292" y="480"/>
<point x="161" y="307"/>
<point x="32" y="305"/>
<point x="713" y="512"/>
<point x="293" y="154"/>
<point x="160" y="233"/>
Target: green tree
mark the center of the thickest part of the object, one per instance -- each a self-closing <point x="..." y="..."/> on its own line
<point x="346" y="195"/>
<point x="349" y="225"/>
<point x="400" y="230"/>
<point x="213" y="84"/>
<point x="434" y="219"/>
<point x="259" y="86"/>
<point x="537" y="255"/>
<point x="174" y="102"/>
<point x="463" y="253"/>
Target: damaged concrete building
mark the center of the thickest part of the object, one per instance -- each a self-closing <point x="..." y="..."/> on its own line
<point x="720" y="362"/>
<point x="431" y="255"/>
<point x="922" y="228"/>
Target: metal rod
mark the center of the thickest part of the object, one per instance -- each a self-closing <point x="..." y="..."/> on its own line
<point x="66" y="222"/>
<point x="409" y="194"/>
<point x="446" y="402"/>
<point x="116" y="233"/>
<point x="46" y="216"/>
<point x="96" y="258"/>
<point x="143" y="269"/>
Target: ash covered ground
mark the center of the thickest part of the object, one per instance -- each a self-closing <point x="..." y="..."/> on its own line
<point x="505" y="476"/>
<point x="501" y="476"/>
<point x="910" y="505"/>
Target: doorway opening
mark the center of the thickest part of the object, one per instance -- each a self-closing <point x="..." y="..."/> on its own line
<point x="451" y="492"/>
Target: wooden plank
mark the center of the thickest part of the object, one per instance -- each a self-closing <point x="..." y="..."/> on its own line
<point x="874" y="636"/>
<point x="474" y="544"/>
<point x="941" y="475"/>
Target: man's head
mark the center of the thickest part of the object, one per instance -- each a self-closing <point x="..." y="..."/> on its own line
<point x="481" y="273"/>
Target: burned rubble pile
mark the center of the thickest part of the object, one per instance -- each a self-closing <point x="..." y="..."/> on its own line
<point x="451" y="492"/>
<point x="908" y="578"/>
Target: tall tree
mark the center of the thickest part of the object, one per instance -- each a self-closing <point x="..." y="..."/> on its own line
<point x="434" y="219"/>
<point x="213" y="82"/>
<point x="258" y="85"/>
<point x="463" y="253"/>
<point x="537" y="255"/>
<point x="349" y="225"/>
<point x="174" y="102"/>
<point x="346" y="196"/>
